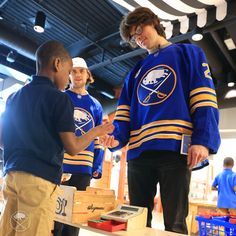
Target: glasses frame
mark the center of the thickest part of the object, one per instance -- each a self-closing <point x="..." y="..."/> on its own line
<point x="138" y="32"/>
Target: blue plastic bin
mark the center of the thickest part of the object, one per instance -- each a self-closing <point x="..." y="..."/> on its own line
<point x="216" y="226"/>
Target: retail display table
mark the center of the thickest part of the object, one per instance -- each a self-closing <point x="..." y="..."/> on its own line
<point x="139" y="232"/>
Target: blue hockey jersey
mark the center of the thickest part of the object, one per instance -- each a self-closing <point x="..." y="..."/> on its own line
<point x="87" y="114"/>
<point x="166" y="95"/>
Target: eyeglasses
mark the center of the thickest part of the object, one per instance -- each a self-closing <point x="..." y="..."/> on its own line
<point x="138" y="32"/>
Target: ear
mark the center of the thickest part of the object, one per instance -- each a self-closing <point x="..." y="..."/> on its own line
<point x="57" y="64"/>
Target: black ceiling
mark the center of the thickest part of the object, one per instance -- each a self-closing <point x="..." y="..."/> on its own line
<point x="90" y="29"/>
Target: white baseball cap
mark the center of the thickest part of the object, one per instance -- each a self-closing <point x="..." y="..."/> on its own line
<point x="79" y="62"/>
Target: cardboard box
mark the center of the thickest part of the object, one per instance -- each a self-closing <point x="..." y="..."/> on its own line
<point x="80" y="206"/>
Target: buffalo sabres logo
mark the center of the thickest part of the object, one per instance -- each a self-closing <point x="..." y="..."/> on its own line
<point x="20" y="221"/>
<point x="83" y="120"/>
<point x="156" y="85"/>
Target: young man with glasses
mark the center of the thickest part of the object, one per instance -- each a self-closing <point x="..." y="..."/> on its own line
<point x="166" y="96"/>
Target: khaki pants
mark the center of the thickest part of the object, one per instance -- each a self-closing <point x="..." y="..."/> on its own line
<point x="29" y="205"/>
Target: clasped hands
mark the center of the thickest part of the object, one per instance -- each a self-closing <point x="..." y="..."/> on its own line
<point x="104" y="133"/>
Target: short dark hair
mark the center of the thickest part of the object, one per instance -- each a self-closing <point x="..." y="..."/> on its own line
<point x="49" y="51"/>
<point x="141" y="15"/>
<point x="228" y="161"/>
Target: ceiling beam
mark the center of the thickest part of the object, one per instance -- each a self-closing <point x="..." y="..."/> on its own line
<point x="21" y="44"/>
<point x="81" y="46"/>
<point x="136" y="52"/>
<point x="219" y="25"/>
<point x="224" y="50"/>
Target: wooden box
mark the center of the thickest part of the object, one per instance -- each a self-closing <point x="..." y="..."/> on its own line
<point x="80" y="206"/>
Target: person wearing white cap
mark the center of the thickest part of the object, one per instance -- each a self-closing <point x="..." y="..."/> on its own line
<point x="87" y="114"/>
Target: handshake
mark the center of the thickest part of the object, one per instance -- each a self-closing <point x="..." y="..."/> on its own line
<point x="100" y="131"/>
<point x="103" y="132"/>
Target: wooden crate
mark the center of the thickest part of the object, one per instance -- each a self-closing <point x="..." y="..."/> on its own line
<point x="80" y="206"/>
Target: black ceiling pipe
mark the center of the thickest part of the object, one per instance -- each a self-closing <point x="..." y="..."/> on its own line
<point x="136" y="52"/>
<point x="17" y="42"/>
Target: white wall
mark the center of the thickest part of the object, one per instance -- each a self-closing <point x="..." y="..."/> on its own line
<point x="227" y="127"/>
<point x="227" y="118"/>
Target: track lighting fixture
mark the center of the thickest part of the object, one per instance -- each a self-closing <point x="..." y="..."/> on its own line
<point x="39" y="23"/>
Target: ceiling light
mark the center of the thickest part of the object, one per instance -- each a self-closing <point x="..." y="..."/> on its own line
<point x="39" y="23"/>
<point x="230" y="94"/>
<point x="231" y="79"/>
<point x="106" y="94"/>
<point x="11" y="56"/>
<point x="1" y="17"/>
<point x="229" y="43"/>
<point x="231" y="84"/>
<point x="197" y="34"/>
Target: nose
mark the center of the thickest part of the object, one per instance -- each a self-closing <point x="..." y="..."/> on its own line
<point x="77" y="73"/>
<point x="138" y="37"/>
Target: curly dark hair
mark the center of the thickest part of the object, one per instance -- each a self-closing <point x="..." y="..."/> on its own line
<point x="140" y="16"/>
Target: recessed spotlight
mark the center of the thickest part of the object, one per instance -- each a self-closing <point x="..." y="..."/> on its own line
<point x="229" y="43"/>
<point x="230" y="94"/>
<point x="231" y="79"/>
<point x="197" y="34"/>
<point x="1" y="17"/>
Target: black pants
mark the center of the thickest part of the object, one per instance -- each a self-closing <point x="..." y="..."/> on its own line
<point x="80" y="181"/>
<point x="169" y="169"/>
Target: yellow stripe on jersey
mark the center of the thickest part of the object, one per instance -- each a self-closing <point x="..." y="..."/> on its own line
<point x="186" y="124"/>
<point x="202" y="97"/>
<point x="99" y="147"/>
<point x="203" y="104"/>
<point x="123" y="107"/>
<point x="78" y="157"/>
<point x="202" y="90"/>
<point x="156" y="136"/>
<point x="122" y="118"/>
<point x="65" y="161"/>
<point x="122" y="112"/>
<point x="148" y="132"/>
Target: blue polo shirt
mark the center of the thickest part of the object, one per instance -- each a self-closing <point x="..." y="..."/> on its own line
<point x="33" y="118"/>
<point x="226" y="181"/>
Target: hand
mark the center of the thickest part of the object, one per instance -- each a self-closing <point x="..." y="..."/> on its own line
<point x="65" y="177"/>
<point x="196" y="154"/>
<point x="108" y="141"/>
<point x="95" y="174"/>
<point x="104" y="129"/>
